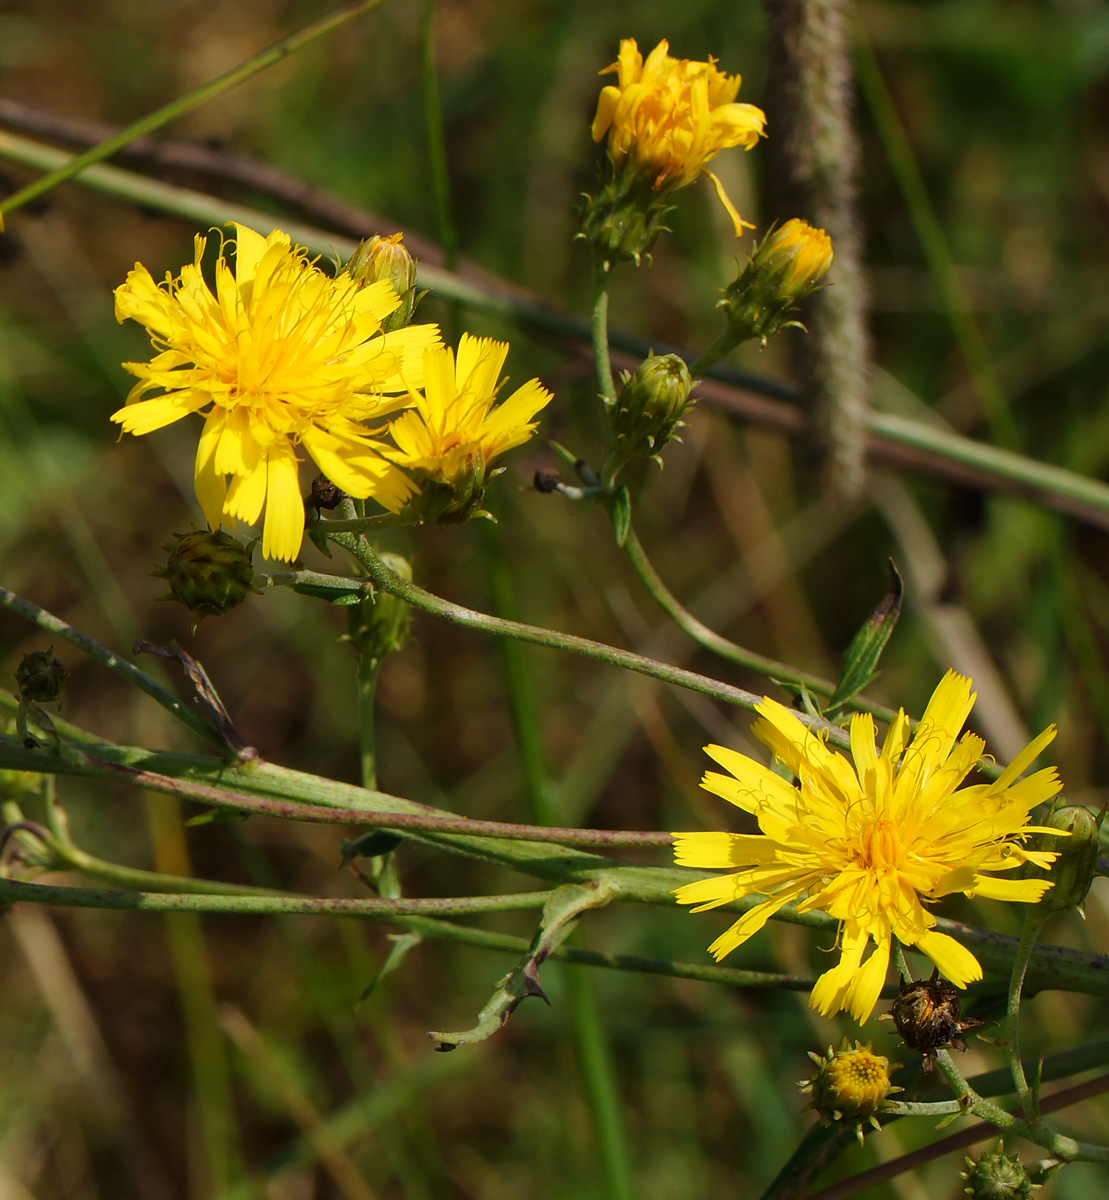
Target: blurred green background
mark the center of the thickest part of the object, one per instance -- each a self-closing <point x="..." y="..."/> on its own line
<point x="116" y="1078"/>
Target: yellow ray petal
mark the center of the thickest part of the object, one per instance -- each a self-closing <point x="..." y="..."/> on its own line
<point x="954" y="960"/>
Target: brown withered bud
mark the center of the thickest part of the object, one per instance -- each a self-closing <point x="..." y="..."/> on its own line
<point x="324" y="494"/>
<point x="547" y="479"/>
<point x="927" y="1016"/>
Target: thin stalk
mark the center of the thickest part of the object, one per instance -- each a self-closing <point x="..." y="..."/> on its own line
<point x="54" y="895"/>
<point x="599" y="329"/>
<point x="259" y="62"/>
<point x="525" y="714"/>
<point x="389" y="581"/>
<point x="108" y="658"/>
<point x="711" y="640"/>
<point x="724" y="344"/>
<point x="899" y="154"/>
<point x="436" y="138"/>
<point x="369" y="668"/>
<point x="600" y="1084"/>
<point x="588" y="1028"/>
<point x="1034" y="918"/>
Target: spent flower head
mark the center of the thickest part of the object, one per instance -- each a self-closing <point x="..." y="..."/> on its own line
<point x="665" y="119"/>
<point x="278" y="357"/>
<point x="870" y="843"/>
<point x="449" y="439"/>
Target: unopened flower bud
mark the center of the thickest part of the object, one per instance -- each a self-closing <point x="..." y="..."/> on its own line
<point x="927" y="1015"/>
<point x="786" y="266"/>
<point x="381" y="625"/>
<point x="1076" y="852"/>
<point x="997" y="1177"/>
<point x="39" y="677"/>
<point x="385" y="258"/>
<point x="850" y="1085"/>
<point x="209" y="572"/>
<point x="649" y="408"/>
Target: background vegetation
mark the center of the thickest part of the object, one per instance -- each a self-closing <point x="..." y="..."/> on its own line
<point x="150" y="1057"/>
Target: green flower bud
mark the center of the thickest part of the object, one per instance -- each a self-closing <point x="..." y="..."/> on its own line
<point x="209" y="572"/>
<point x="1075" y="865"/>
<point x="850" y="1085"/>
<point x="649" y="409"/>
<point x="379" y="258"/>
<point x="39" y="677"/>
<point x="381" y="625"/>
<point x="997" y="1177"/>
<point x="623" y="220"/>
<point x="786" y="266"/>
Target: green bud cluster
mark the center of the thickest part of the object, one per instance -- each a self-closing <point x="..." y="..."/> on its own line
<point x="380" y="258"/>
<point x="997" y="1177"/>
<point x="208" y="571"/>
<point x="649" y="408"/>
<point x="39" y="677"/>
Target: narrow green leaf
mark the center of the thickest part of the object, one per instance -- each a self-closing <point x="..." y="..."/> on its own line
<point x="860" y="662"/>
<point x="621" y="514"/>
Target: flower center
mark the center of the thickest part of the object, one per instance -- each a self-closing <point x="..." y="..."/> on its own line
<point x="878" y="846"/>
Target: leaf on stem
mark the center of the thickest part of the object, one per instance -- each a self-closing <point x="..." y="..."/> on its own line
<point x="621" y="514"/>
<point x="860" y="661"/>
<point x="560" y="915"/>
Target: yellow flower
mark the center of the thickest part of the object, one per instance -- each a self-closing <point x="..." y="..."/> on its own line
<point x="670" y="116"/>
<point x="280" y="356"/>
<point x="799" y="253"/>
<point x="447" y="441"/>
<point x="867" y="843"/>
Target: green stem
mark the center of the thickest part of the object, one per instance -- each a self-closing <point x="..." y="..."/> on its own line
<point x="899" y="153"/>
<point x="108" y="658"/>
<point x="600" y="1085"/>
<point x="1034" y="918"/>
<point x="14" y="890"/>
<point x="599" y="330"/>
<point x="389" y="581"/>
<point x="1034" y="1131"/>
<point x="724" y="344"/>
<point x="259" y="62"/>
<point x="589" y="1031"/>
<point x="704" y="636"/>
<point x="436" y="139"/>
<point x="369" y="668"/>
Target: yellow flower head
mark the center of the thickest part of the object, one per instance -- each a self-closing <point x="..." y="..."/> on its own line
<point x="280" y="355"/>
<point x="447" y="441"/>
<point x="800" y="253"/>
<point x="868" y="843"/>
<point x="670" y="116"/>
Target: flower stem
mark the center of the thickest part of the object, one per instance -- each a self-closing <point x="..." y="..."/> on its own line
<point x="360" y="524"/>
<point x="259" y="62"/>
<point x="1034" y="918"/>
<point x="599" y="329"/>
<point x="108" y="658"/>
<point x="713" y="641"/>
<point x="389" y="581"/>
<point x="13" y="890"/>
